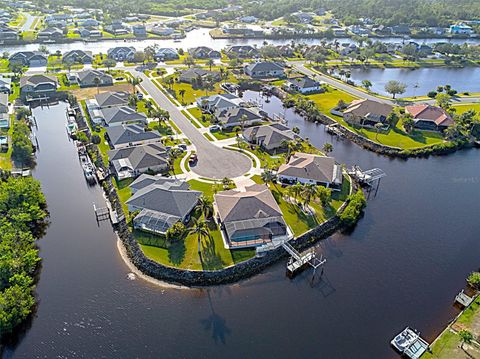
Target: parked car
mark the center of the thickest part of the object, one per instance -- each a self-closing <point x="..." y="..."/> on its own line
<point x="193" y="158"/>
<point x="182" y="147"/>
<point x="140" y="96"/>
<point x="215" y="128"/>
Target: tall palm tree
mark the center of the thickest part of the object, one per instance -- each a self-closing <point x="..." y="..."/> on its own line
<point x="210" y="63"/>
<point x="200" y="229"/>
<point x="309" y="193"/>
<point x="291" y="146"/>
<point x="268" y="177"/>
<point x="182" y="92"/>
<point x="327" y="148"/>
<point x="465" y="337"/>
<point x="205" y="206"/>
<point x="97" y="82"/>
<point x="134" y="81"/>
<point x="226" y="182"/>
<point x="296" y="190"/>
<point x="378" y="126"/>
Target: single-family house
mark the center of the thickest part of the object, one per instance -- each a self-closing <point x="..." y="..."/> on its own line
<point x="139" y="30"/>
<point x="78" y="57"/>
<point x="269" y="137"/>
<point x="131" y="135"/>
<point x="303" y="17"/>
<point x="3" y="103"/>
<point x="304" y="85"/>
<point x="7" y="33"/>
<point x="161" y="30"/>
<point x="241" y="51"/>
<point x="162" y="204"/>
<point x="130" y="162"/>
<point x="89" y="23"/>
<point x="122" y="115"/>
<point x="367" y="112"/>
<point x="121" y="53"/>
<point x="310" y="168"/>
<point x="248" y="19"/>
<point x="92" y="78"/>
<point x="239" y="116"/>
<point x="194" y="75"/>
<point x="112" y="99"/>
<point x="5" y="85"/>
<point x="427" y="117"/>
<point x="84" y="33"/>
<point x="250" y="217"/>
<point x="166" y="54"/>
<point x="38" y="86"/>
<point x="461" y="29"/>
<point x="203" y="52"/>
<point x="28" y="58"/>
<point x="264" y="69"/>
<point x="50" y="33"/>
<point x="220" y="102"/>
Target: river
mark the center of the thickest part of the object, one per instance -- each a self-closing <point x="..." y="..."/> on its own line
<point x="402" y="265"/>
<point x="420" y="81"/>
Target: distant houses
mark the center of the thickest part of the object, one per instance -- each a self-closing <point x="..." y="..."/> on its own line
<point x="239" y="116"/>
<point x="461" y="29"/>
<point x="241" y="51"/>
<point x="250" y="217"/>
<point x="121" y="115"/>
<point x="310" y="168"/>
<point x="130" y="162"/>
<point x="162" y="203"/>
<point x="8" y="34"/>
<point x="304" y="85"/>
<point x="166" y="54"/>
<point x="220" y="102"/>
<point x="50" y="33"/>
<point x="195" y="75"/>
<point x="131" y="135"/>
<point x="367" y="113"/>
<point x="427" y="117"/>
<point x="5" y="85"/>
<point x="266" y="69"/>
<point x="38" y="86"/>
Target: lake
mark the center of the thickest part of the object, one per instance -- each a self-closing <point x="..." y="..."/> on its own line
<point x="402" y="265"/>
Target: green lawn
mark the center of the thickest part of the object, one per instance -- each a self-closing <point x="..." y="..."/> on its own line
<point x="197" y="113"/>
<point x="195" y="123"/>
<point x="329" y="99"/>
<point x="466" y="107"/>
<point x="222" y="135"/>
<point x="176" y="164"/>
<point x="124" y="192"/>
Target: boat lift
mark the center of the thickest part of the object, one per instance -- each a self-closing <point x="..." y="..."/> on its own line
<point x="298" y="260"/>
<point x="368" y="178"/>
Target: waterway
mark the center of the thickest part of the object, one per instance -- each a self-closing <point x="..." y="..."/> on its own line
<point x="402" y="265"/>
<point x="420" y="81"/>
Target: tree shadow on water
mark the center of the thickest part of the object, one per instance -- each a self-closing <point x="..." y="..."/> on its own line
<point x="216" y="324"/>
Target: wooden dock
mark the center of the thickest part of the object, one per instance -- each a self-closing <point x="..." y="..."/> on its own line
<point x="463" y="299"/>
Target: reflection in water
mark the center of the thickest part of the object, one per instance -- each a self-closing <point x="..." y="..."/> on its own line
<point x="215" y="323"/>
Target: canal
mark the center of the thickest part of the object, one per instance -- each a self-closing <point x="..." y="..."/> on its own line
<point x="402" y="265"/>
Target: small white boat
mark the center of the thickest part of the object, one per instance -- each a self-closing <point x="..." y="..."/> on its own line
<point x="71" y="127"/>
<point x="88" y="168"/>
<point x="410" y="344"/>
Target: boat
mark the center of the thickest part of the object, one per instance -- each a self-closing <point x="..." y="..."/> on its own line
<point x="71" y="127"/>
<point x="88" y="168"/>
<point x="410" y="344"/>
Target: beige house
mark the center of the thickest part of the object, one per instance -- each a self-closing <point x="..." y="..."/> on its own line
<point x="367" y="113"/>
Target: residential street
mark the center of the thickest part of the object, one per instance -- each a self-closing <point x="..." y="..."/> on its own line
<point x="213" y="161"/>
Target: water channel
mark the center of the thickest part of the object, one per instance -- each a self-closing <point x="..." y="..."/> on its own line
<point x="402" y="265"/>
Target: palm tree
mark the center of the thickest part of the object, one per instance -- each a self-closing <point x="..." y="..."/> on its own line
<point x="268" y="177"/>
<point x="226" y="182"/>
<point x="97" y="82"/>
<point x="465" y="337"/>
<point x="291" y="146"/>
<point x="182" y="92"/>
<point x="200" y="229"/>
<point x="296" y="190"/>
<point x="327" y="148"/>
<point x="205" y="206"/>
<point x="309" y="192"/>
<point x="210" y="63"/>
<point x="243" y="121"/>
<point x="378" y="127"/>
<point x="134" y="81"/>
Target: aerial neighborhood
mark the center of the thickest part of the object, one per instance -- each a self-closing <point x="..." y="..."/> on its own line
<point x="227" y="138"/>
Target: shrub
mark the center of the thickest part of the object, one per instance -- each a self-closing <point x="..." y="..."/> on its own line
<point x="432" y="94"/>
<point x="96" y="139"/>
<point x="176" y="232"/>
<point x="353" y="210"/>
<point x="474" y="280"/>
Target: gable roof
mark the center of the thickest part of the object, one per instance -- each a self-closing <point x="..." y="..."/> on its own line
<point x="264" y="66"/>
<point x="429" y="113"/>
<point x="78" y="55"/>
<point x="130" y="134"/>
<point x="122" y="114"/>
<point x="313" y="167"/>
<point x="90" y="74"/>
<point x="35" y="80"/>
<point x="304" y="82"/>
<point x="271" y="135"/>
<point x="105" y="99"/>
<point x="254" y="202"/>
<point x="234" y="115"/>
<point x="222" y="101"/>
<point x="138" y="157"/>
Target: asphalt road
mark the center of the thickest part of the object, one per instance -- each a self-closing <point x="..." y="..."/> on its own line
<point x="213" y="161"/>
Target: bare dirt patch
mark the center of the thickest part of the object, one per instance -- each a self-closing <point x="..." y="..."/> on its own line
<point x="89" y="92"/>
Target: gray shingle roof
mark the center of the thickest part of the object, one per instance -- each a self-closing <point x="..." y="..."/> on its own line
<point x="122" y="114"/>
<point x="271" y="136"/>
<point x="107" y="99"/>
<point x="313" y="167"/>
<point x="126" y="134"/>
<point x="139" y="157"/>
<point x="145" y="180"/>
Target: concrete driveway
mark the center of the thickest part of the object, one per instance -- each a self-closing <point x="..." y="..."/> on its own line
<point x="213" y="161"/>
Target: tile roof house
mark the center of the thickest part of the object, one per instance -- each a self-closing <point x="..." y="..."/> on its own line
<point x="131" y="135"/>
<point x="269" y="137"/>
<point x="250" y="217"/>
<point x="121" y="53"/>
<point x="38" y="86"/>
<point x="304" y="85"/>
<point x="28" y="58"/>
<point x="87" y="78"/>
<point x="239" y="116"/>
<point x="203" y="52"/>
<point x="161" y="205"/>
<point x="264" y="69"/>
<point x="122" y="115"/>
<point x="309" y="168"/>
<point x="5" y="84"/>
<point x="367" y="112"/>
<point x="193" y="74"/>
<point x="132" y="161"/>
<point x="427" y="117"/>
<point x="78" y="56"/>
<point x="220" y="102"/>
